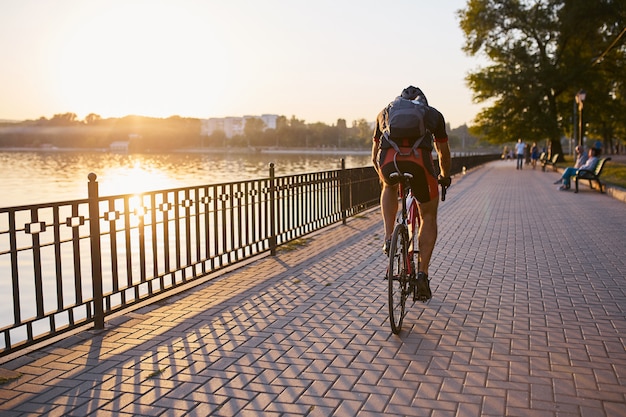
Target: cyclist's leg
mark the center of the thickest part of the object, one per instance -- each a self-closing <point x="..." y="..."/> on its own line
<point x="389" y="193"/>
<point x="428" y="195"/>
<point x="389" y="207"/>
<point x="427" y="236"/>
<point x="426" y="189"/>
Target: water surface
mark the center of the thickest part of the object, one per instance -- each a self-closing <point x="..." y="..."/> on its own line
<point x="42" y="177"/>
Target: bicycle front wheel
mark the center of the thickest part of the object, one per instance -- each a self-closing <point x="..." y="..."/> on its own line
<point x="397" y="276"/>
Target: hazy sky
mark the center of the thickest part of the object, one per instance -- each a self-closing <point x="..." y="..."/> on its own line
<point x="318" y="60"/>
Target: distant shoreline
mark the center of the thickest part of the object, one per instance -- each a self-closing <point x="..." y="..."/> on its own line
<point x="230" y="151"/>
<point x="273" y="151"/>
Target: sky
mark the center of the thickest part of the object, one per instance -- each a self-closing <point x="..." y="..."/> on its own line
<point x="319" y="60"/>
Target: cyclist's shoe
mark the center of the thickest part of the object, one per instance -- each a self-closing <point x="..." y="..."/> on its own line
<point x="423" y="287"/>
<point x="386" y="246"/>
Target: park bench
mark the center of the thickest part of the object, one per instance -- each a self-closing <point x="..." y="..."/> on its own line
<point x="594" y="175"/>
<point x="549" y="162"/>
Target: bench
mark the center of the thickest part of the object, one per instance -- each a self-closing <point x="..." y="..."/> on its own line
<point x="594" y="175"/>
<point x="550" y="162"/>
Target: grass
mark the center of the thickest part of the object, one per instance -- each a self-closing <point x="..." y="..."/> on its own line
<point x="614" y="172"/>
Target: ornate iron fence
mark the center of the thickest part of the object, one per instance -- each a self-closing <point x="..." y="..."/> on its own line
<point x="70" y="264"/>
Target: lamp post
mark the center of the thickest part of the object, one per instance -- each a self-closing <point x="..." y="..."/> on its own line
<point x="574" y="139"/>
<point x="580" y="98"/>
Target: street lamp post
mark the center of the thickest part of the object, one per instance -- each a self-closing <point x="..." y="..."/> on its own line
<point x="580" y="98"/>
<point x="574" y="139"/>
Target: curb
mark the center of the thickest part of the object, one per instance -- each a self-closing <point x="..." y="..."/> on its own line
<point x="616" y="192"/>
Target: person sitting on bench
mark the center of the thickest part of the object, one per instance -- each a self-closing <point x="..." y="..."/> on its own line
<point x="581" y="157"/>
<point x="589" y="165"/>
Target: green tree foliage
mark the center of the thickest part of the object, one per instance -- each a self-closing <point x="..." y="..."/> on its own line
<point x="542" y="52"/>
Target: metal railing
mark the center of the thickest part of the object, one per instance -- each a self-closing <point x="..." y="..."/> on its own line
<point x="70" y="264"/>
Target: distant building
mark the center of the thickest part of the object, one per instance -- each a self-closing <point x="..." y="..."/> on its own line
<point x="233" y="126"/>
<point x="269" y="120"/>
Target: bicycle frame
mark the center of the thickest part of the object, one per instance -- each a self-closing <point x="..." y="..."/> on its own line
<point x="411" y="219"/>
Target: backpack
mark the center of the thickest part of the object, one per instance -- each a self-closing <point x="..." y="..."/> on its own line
<point x="404" y="125"/>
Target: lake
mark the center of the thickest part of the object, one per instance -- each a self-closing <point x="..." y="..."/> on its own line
<point x="51" y="176"/>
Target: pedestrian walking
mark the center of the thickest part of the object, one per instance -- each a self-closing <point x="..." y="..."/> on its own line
<point x="519" y="150"/>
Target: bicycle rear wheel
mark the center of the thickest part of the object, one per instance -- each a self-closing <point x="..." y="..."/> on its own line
<point x="397" y="277"/>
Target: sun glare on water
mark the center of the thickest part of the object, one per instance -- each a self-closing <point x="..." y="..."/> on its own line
<point x="135" y="179"/>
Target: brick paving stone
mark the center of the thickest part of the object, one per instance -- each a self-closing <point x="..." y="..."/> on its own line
<point x="528" y="319"/>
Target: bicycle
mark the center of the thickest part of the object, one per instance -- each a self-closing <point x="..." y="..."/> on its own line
<point x="403" y="250"/>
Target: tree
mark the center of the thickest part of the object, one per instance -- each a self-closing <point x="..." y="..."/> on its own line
<point x="217" y="139"/>
<point x="363" y="132"/>
<point x="541" y="52"/>
<point x="92" y="118"/>
<point x="253" y="129"/>
<point x="281" y="133"/>
<point x="342" y="131"/>
<point x="65" y="119"/>
<point x="298" y="134"/>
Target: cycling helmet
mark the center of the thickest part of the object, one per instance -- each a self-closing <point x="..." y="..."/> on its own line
<point x="414" y="93"/>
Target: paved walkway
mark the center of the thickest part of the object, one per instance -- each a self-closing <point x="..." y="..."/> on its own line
<point x="528" y="319"/>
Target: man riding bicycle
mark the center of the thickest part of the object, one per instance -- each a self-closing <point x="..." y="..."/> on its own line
<point x="410" y="150"/>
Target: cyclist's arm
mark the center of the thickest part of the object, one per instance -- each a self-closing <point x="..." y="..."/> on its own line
<point x="375" y="143"/>
<point x="437" y="125"/>
<point x="445" y="160"/>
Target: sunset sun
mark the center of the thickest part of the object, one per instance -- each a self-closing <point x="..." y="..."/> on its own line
<point x="146" y="63"/>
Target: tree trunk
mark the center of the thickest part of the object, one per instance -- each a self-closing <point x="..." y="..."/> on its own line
<point x="555" y="147"/>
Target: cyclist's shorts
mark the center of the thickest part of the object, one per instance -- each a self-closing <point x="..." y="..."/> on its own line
<point x="419" y="163"/>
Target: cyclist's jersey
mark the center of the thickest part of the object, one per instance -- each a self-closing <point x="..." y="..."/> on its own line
<point x="418" y="162"/>
<point x="433" y="122"/>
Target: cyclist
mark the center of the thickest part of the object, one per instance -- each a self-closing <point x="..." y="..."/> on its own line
<point x="424" y="184"/>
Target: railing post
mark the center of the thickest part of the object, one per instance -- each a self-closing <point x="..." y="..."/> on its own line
<point x="273" y="203"/>
<point x="96" y="260"/>
<point x="343" y="192"/>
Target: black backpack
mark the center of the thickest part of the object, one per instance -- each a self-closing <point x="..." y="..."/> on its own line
<point x="404" y="126"/>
